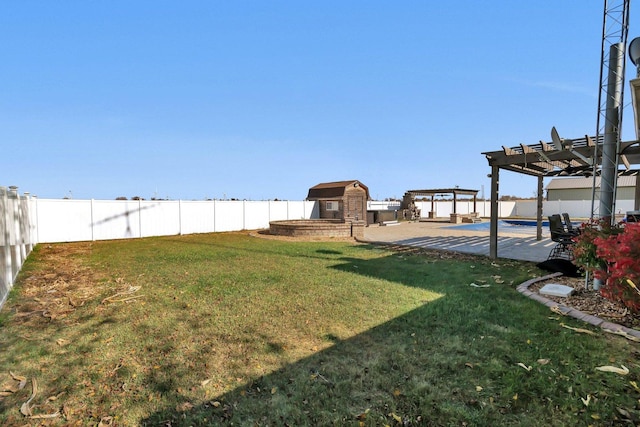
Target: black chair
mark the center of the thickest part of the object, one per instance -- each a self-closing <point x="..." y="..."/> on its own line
<point x="569" y="226"/>
<point x="564" y="240"/>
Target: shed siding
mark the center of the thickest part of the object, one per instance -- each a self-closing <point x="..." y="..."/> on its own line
<point x="625" y="193"/>
<point x="351" y="197"/>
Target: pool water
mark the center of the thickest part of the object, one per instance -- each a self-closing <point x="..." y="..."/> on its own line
<point x="503" y="225"/>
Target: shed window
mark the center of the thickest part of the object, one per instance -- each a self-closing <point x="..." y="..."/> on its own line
<point x="332" y="206"/>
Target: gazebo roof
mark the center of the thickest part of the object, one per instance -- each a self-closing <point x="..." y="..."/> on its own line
<point x="454" y="191"/>
<point x="576" y="158"/>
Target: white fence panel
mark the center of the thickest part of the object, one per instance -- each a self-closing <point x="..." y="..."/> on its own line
<point x="582" y="208"/>
<point x="526" y="208"/>
<point x="278" y="210"/>
<point x="302" y="210"/>
<point x="229" y="216"/>
<point x="624" y="206"/>
<point x="376" y="205"/>
<point x="17" y="236"/>
<point x="484" y="209"/>
<point x="159" y="218"/>
<point x="506" y="209"/>
<point x="197" y="217"/>
<point x="256" y="215"/>
<point x="425" y="208"/>
<point x="312" y="210"/>
<point x="575" y="208"/>
<point x="63" y="220"/>
<point x="6" y="266"/>
<point x="114" y="219"/>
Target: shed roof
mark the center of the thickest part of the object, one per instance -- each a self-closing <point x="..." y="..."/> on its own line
<point x="326" y="190"/>
<point x="575" y="183"/>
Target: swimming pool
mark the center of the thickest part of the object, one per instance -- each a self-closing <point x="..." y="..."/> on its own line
<point x="503" y="225"/>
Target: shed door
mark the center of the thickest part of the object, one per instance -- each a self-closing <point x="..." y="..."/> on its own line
<point x="355" y="207"/>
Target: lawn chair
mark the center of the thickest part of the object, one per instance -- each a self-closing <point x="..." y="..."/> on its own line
<point x="569" y="226"/>
<point x="564" y="243"/>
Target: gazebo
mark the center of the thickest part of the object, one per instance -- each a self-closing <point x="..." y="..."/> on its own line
<point x="456" y="191"/>
<point x="575" y="157"/>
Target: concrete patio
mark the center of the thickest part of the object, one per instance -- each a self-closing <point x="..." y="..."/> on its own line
<point x="517" y="243"/>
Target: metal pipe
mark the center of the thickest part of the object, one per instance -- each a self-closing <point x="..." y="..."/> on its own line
<point x="609" y="174"/>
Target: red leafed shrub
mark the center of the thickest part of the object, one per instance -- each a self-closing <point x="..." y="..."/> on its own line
<point x="622" y="274"/>
<point x="585" y="248"/>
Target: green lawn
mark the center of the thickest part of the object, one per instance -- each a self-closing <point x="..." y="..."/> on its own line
<point x="236" y="330"/>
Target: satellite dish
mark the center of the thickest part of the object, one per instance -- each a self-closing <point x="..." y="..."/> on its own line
<point x="567" y="144"/>
<point x="634" y="51"/>
<point x="557" y="142"/>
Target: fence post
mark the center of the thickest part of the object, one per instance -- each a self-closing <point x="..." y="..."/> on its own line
<point x="26" y="207"/>
<point x="180" y="217"/>
<point x="14" y="231"/>
<point x="93" y="223"/>
<point x="20" y="227"/>
<point x="6" y="280"/>
<point x="214" y="215"/>
<point x="139" y="218"/>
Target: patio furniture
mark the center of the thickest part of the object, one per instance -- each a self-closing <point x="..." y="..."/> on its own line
<point x="564" y="240"/>
<point x="569" y="225"/>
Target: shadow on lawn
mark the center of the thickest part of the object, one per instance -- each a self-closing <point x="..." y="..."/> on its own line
<point x="402" y="369"/>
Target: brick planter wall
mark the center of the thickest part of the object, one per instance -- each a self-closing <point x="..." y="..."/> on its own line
<point x="317" y="228"/>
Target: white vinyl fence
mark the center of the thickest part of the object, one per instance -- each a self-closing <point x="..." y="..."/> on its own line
<point x="17" y="236"/>
<point x="85" y="220"/>
<point x="25" y="220"/>
<point x="444" y="208"/>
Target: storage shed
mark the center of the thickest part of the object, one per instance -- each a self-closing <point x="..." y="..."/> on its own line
<point x="582" y="188"/>
<point x="346" y="200"/>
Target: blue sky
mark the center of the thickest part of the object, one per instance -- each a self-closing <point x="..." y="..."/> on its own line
<point x="264" y="99"/>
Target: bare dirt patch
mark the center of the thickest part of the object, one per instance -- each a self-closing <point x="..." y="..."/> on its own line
<point x="57" y="291"/>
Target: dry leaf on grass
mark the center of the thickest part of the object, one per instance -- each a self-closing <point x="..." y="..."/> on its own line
<point x="17" y="384"/>
<point x="623" y="370"/>
<point x="45" y="416"/>
<point x="525" y="367"/>
<point x="184" y="407"/>
<point x="25" y="409"/>
<point x="582" y="331"/>
<point x="396" y="417"/>
<point x="105" y="422"/>
<point x="557" y="310"/>
<point x="623" y="334"/>
<point x="131" y="290"/>
<point x="478" y="286"/>
<point x="362" y="416"/>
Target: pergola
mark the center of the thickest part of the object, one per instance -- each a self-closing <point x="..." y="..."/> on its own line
<point x="455" y="191"/>
<point x="572" y="158"/>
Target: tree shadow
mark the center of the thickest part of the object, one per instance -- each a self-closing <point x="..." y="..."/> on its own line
<point x="397" y="370"/>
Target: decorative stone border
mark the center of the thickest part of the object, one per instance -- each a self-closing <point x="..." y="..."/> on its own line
<point x="588" y="318"/>
<point x="317" y="228"/>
